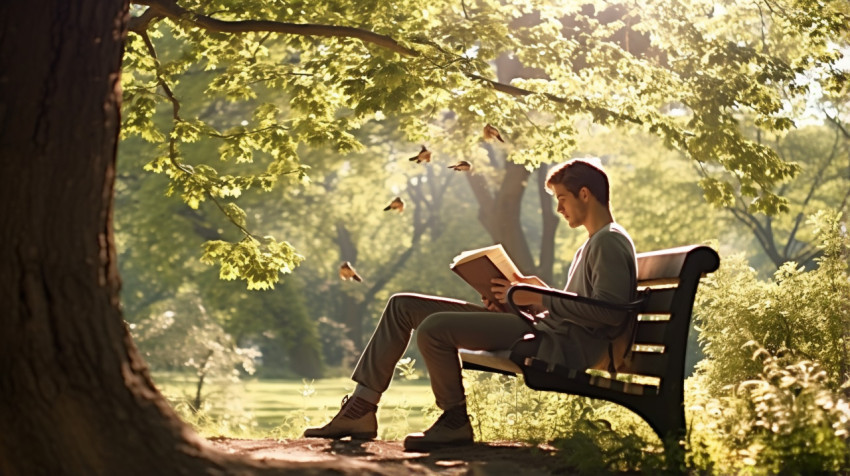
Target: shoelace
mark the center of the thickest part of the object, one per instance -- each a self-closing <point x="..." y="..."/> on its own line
<point x="355" y="408"/>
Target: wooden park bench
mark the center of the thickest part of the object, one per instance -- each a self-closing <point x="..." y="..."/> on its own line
<point x="649" y="380"/>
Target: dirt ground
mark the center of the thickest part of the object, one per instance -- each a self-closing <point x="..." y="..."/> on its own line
<point x="480" y="459"/>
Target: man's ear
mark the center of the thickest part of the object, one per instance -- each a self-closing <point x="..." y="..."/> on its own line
<point x="584" y="194"/>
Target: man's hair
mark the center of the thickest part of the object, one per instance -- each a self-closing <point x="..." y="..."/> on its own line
<point x="577" y="173"/>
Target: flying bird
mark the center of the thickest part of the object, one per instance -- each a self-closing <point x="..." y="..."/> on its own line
<point x="424" y="155"/>
<point x="491" y="133"/>
<point x="347" y="272"/>
<point x="461" y="166"/>
<point x="396" y="204"/>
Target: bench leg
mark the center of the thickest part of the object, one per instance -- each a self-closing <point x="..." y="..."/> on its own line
<point x="668" y="420"/>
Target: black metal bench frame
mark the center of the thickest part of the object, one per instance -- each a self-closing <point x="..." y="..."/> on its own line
<point x="667" y="285"/>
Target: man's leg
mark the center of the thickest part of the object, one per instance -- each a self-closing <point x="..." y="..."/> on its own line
<point x="403" y="313"/>
<point x="439" y="337"/>
<point x="374" y="370"/>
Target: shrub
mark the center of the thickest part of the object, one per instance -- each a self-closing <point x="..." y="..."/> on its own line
<point x="783" y="411"/>
<point x="337" y="349"/>
<point x="787" y="420"/>
<point x="804" y="314"/>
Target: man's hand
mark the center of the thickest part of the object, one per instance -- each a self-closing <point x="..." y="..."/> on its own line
<point x="534" y="280"/>
<point x="521" y="298"/>
<point x="491" y="305"/>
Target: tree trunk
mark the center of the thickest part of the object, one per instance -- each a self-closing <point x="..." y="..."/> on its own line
<point x="508" y="212"/>
<point x="499" y="211"/>
<point x="75" y="395"/>
<point x="348" y="310"/>
<point x="546" y="265"/>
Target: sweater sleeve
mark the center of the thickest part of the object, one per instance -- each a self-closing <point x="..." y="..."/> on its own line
<point x="609" y="274"/>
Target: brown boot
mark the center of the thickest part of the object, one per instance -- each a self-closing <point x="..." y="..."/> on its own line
<point x="451" y="429"/>
<point x="356" y="419"/>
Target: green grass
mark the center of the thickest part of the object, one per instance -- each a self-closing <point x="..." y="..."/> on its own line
<point x="283" y="408"/>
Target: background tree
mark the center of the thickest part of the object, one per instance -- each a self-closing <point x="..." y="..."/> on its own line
<point x="823" y="182"/>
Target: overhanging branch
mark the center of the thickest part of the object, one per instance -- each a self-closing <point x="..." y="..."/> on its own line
<point x="170" y="9"/>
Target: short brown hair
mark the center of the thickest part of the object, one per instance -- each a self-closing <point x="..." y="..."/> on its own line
<point x="577" y="173"/>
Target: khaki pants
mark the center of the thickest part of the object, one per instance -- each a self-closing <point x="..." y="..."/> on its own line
<point x="444" y="325"/>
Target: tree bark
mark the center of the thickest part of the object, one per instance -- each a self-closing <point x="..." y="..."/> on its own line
<point x="75" y="395"/>
<point x="546" y="264"/>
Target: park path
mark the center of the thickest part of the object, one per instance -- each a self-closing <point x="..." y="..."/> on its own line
<point x="480" y="459"/>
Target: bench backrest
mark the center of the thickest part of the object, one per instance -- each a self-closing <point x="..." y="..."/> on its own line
<point x="669" y="278"/>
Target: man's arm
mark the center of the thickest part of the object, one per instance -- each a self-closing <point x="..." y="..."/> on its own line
<point x="521" y="298"/>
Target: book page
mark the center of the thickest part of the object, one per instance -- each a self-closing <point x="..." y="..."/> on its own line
<point x="470" y="255"/>
<point x="497" y="255"/>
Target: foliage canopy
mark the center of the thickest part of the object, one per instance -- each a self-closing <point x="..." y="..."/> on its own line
<point x="286" y="76"/>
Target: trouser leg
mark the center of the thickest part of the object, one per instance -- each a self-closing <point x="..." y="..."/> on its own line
<point x="442" y="334"/>
<point x="403" y="313"/>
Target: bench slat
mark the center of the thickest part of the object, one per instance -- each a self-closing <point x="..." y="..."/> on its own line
<point x="659" y="301"/>
<point x="647" y="363"/>
<point x="651" y="332"/>
<point x="625" y="387"/>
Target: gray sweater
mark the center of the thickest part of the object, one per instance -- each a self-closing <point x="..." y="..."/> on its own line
<point x="604" y="268"/>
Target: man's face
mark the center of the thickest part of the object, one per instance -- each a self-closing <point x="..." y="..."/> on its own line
<point x="571" y="207"/>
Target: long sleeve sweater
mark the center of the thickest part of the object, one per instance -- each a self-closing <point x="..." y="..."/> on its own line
<point x="604" y="268"/>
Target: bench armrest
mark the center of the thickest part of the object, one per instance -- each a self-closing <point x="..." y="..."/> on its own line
<point x="630" y="306"/>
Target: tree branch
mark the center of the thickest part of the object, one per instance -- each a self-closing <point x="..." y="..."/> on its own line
<point x="838" y="125"/>
<point x="816" y="182"/>
<point x="170" y="9"/>
<point x="760" y="233"/>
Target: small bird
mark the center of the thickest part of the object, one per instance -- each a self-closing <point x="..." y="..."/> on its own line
<point x="396" y="204"/>
<point x="491" y="133"/>
<point x="461" y="166"/>
<point x="347" y="272"/>
<point x="424" y="155"/>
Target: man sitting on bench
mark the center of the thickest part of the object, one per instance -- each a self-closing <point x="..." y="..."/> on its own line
<point x="570" y="333"/>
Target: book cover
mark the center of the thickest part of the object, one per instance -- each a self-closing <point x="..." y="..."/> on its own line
<point x="478" y="267"/>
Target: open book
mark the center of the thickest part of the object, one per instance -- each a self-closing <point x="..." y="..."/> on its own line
<point x="478" y="267"/>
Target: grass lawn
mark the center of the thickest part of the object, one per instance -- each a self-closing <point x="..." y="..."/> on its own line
<point x="283" y="408"/>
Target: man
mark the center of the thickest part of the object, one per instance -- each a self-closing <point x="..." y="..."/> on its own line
<point x="572" y="334"/>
